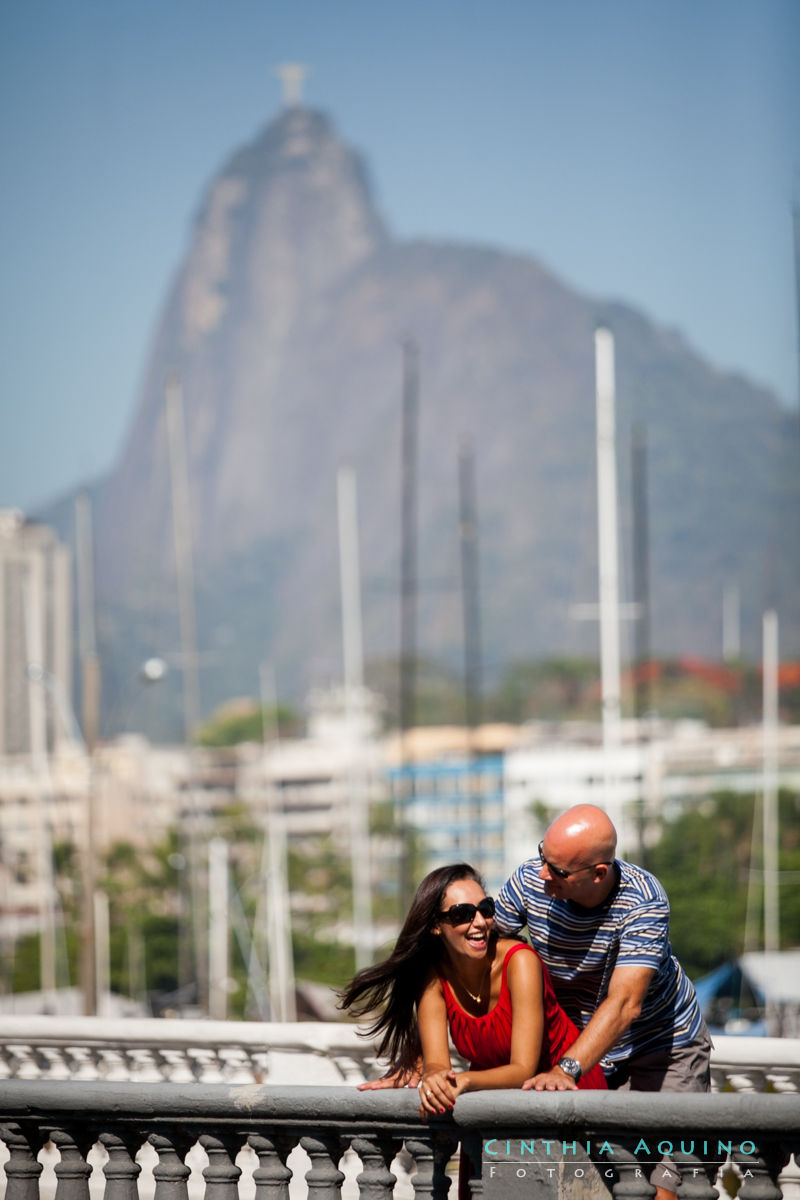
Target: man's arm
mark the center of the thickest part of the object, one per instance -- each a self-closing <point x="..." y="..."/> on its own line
<point x="626" y="992"/>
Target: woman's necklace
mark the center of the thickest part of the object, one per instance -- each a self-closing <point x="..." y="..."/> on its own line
<point x="472" y="996"/>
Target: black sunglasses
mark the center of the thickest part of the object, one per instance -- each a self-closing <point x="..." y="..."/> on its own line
<point x="464" y="914"/>
<point x="560" y="873"/>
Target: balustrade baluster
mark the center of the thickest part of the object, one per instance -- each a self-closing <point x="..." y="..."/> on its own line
<point x="111" y="1064"/>
<point x="431" y="1181"/>
<point x="236" y="1067"/>
<point x="22" y="1169"/>
<point x="444" y="1147"/>
<point x="421" y="1179"/>
<point x="52" y="1063"/>
<point x="632" y="1176"/>
<point x="789" y="1178"/>
<point x="324" y="1179"/>
<point x="221" y="1174"/>
<point x="142" y="1065"/>
<point x="759" y="1172"/>
<point x="82" y="1062"/>
<point x="783" y="1081"/>
<point x="697" y="1175"/>
<point x="72" y="1171"/>
<point x="121" y="1171"/>
<point x="206" y="1063"/>
<point x="174" y="1066"/>
<point x="170" y="1172"/>
<point x="272" y="1175"/>
<point x="24" y="1062"/>
<point x="376" y="1181"/>
<point x="750" y="1080"/>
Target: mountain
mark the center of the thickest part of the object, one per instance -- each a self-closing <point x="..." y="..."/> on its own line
<point x="285" y="323"/>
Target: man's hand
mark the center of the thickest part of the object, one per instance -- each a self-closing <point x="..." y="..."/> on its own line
<point x="395" y="1077"/>
<point x="554" y="1080"/>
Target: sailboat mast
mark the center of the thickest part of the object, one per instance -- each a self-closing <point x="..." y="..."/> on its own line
<point x="90" y="683"/>
<point x="608" y="571"/>
<point x="181" y="526"/>
<point x="350" y="571"/>
<point x="408" y="602"/>
<point x="770" y="779"/>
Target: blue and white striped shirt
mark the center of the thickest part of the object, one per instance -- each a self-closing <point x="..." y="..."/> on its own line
<point x="582" y="946"/>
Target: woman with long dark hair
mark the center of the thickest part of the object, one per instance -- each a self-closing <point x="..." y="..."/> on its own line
<point x="450" y="970"/>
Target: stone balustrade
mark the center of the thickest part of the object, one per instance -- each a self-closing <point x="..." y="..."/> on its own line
<point x="755" y="1064"/>
<point x="240" y="1052"/>
<point x="175" y="1051"/>
<point x="373" y="1145"/>
<point x="81" y="1118"/>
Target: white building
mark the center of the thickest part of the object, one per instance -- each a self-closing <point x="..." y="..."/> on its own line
<point x="310" y="780"/>
<point x="35" y="632"/>
<point x="553" y="767"/>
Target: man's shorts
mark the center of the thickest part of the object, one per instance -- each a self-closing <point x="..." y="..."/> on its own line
<point x="682" y="1069"/>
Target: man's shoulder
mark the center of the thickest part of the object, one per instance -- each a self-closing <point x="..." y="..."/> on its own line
<point x="523" y="890"/>
<point x="638" y="883"/>
<point x="525" y="875"/>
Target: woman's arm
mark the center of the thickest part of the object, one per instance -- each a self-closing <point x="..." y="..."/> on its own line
<point x="437" y="1088"/>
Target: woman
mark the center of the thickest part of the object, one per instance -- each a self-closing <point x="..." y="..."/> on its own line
<point x="493" y="993"/>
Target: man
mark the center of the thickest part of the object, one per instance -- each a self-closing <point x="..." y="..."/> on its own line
<point x="602" y="928"/>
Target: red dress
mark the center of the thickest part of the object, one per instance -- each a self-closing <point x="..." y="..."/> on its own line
<point x="485" y="1041"/>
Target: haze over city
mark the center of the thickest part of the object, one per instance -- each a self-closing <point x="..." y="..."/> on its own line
<point x="643" y="153"/>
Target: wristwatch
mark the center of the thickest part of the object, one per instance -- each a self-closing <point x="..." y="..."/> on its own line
<point x="571" y="1067"/>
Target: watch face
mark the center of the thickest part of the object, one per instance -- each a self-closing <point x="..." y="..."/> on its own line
<point x="571" y="1066"/>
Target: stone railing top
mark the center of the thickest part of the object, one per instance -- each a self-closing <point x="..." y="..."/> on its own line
<point x="564" y="1111"/>
<point x="756" y="1051"/>
<point x="156" y="1032"/>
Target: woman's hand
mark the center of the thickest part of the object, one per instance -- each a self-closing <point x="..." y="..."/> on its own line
<point x="439" y="1089"/>
<point x="395" y="1077"/>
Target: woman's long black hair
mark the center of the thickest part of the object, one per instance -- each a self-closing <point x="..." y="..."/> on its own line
<point x="393" y="986"/>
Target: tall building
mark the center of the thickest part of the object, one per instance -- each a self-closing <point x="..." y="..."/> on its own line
<point x="35" y="635"/>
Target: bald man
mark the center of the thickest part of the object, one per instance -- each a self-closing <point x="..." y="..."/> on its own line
<point x="601" y="925"/>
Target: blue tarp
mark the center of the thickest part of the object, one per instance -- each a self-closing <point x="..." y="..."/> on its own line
<point x="731" y="1001"/>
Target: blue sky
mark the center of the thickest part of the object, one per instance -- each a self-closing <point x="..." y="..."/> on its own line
<point x="645" y="150"/>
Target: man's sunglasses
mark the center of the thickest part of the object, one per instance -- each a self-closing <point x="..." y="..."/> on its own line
<point x="560" y="873"/>
<point x="464" y="914"/>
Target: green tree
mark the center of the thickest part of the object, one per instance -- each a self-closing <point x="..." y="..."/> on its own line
<point x="245" y="721"/>
<point x="21" y="968"/>
<point x="548" y="689"/>
<point x="438" y="691"/>
<point x="703" y="859"/>
<point x="143" y="885"/>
